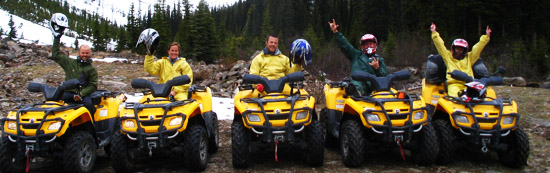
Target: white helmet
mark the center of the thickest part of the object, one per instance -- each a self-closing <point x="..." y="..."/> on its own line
<point x="150" y="38"/>
<point x="58" y="23"/>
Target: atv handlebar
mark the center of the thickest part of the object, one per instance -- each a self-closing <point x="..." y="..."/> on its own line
<point x="491" y="80"/>
<point x="273" y="85"/>
<point x="53" y="93"/>
<point x="160" y="90"/>
<point x="381" y="83"/>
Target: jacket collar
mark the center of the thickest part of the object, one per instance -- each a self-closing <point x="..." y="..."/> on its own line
<point x="266" y="52"/>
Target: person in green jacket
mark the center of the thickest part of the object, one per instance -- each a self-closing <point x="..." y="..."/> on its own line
<point x="80" y="68"/>
<point x="365" y="59"/>
<point x="458" y="58"/>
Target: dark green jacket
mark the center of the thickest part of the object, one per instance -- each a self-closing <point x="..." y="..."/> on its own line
<point x="360" y="62"/>
<point x="74" y="69"/>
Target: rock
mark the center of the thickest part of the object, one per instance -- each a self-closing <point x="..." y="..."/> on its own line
<point x="516" y="81"/>
<point x="39" y="80"/>
<point x="545" y="85"/>
<point x="114" y="84"/>
<point x="14" y="47"/>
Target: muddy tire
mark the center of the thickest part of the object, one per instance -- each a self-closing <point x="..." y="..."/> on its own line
<point x="428" y="147"/>
<point x="518" y="150"/>
<point x="330" y="140"/>
<point x="240" y="144"/>
<point x="123" y="159"/>
<point x="214" y="140"/>
<point x="196" y="148"/>
<point x="315" y="150"/>
<point x="9" y="162"/>
<point x="80" y="152"/>
<point x="446" y="139"/>
<point x="352" y="143"/>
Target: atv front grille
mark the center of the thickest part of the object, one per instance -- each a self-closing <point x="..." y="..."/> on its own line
<point x="486" y="120"/>
<point x="277" y="116"/>
<point x="30" y="126"/>
<point x="150" y="122"/>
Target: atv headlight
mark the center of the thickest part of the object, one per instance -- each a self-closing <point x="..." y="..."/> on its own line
<point x="128" y="124"/>
<point x="12" y="125"/>
<point x="175" y="121"/>
<point x="373" y="117"/>
<point x="253" y="118"/>
<point x="508" y="120"/>
<point x="418" y="115"/>
<point x="461" y="118"/>
<point x="54" y="126"/>
<point x="301" y="115"/>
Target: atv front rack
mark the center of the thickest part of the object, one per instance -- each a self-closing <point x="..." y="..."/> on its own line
<point x="475" y="131"/>
<point x="40" y="138"/>
<point x="388" y="129"/>
<point x="267" y="130"/>
<point x="163" y="134"/>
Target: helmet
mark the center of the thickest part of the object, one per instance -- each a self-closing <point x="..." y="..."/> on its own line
<point x="369" y="37"/>
<point x="150" y="38"/>
<point x="58" y="23"/>
<point x="475" y="92"/>
<point x="300" y="50"/>
<point x="459" y="43"/>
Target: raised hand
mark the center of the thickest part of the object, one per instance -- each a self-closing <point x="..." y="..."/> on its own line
<point x="333" y="26"/>
<point x="432" y="28"/>
<point x="488" y="31"/>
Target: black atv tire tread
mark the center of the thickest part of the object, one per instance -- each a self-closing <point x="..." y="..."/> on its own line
<point x="330" y="140"/>
<point x="446" y="139"/>
<point x="240" y="145"/>
<point x="71" y="156"/>
<point x="517" y="156"/>
<point x="122" y="162"/>
<point x="428" y="147"/>
<point x="352" y="130"/>
<point x="194" y="136"/>
<point x="214" y="141"/>
<point x="315" y="149"/>
<point x="8" y="150"/>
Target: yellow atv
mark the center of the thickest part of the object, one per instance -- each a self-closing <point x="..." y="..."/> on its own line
<point x="385" y="117"/>
<point x="158" y="123"/>
<point x="56" y="129"/>
<point x="477" y="118"/>
<point x="281" y="113"/>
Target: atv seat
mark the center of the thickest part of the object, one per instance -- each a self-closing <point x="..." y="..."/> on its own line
<point x="436" y="70"/>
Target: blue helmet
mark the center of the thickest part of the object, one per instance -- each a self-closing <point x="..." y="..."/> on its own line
<point x="300" y="50"/>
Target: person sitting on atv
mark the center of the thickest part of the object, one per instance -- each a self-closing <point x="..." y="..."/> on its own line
<point x="458" y="58"/>
<point x="168" y="67"/>
<point x="366" y="60"/>
<point x="81" y="68"/>
<point x="272" y="64"/>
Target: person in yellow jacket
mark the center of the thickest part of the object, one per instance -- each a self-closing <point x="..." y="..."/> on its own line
<point x="458" y="58"/>
<point x="170" y="67"/>
<point x="271" y="63"/>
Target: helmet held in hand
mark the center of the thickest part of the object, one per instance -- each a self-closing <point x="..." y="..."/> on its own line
<point x="58" y="23"/>
<point x="300" y="51"/>
<point x="150" y="38"/>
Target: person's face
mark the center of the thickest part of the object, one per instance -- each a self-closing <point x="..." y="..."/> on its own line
<point x="84" y="53"/>
<point x="368" y="44"/>
<point x="173" y="52"/>
<point x="272" y="43"/>
<point x="459" y="50"/>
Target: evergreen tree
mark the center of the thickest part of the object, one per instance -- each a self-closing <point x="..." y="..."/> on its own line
<point x="183" y="36"/>
<point x="161" y="25"/>
<point x="122" y="40"/>
<point x="205" y="39"/>
<point x="12" y="35"/>
<point x="76" y="46"/>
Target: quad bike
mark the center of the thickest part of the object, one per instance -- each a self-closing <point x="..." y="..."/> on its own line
<point x="479" y="119"/>
<point x="158" y="123"/>
<point x="385" y="117"/>
<point x="280" y="114"/>
<point x="53" y="128"/>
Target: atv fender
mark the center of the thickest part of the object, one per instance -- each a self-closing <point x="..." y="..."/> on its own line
<point x="207" y="116"/>
<point x="334" y="118"/>
<point x="76" y="118"/>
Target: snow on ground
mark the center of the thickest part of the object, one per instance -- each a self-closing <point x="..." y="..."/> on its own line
<point x="224" y="107"/>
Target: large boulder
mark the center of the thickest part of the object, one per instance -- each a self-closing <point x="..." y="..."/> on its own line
<point x="545" y="85"/>
<point x="515" y="81"/>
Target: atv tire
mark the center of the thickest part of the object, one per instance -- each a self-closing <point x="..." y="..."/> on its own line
<point x="196" y="148"/>
<point x="446" y="139"/>
<point x="214" y="140"/>
<point x="240" y="144"/>
<point x="427" y="147"/>
<point x="9" y="161"/>
<point x="80" y="152"/>
<point x="123" y="159"/>
<point x="315" y="150"/>
<point x="330" y="140"/>
<point x="518" y="149"/>
<point x="352" y="143"/>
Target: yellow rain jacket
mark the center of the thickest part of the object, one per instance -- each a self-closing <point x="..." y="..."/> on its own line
<point x="272" y="66"/>
<point x="464" y="65"/>
<point x="167" y="71"/>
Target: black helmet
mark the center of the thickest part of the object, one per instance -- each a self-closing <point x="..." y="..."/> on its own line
<point x="150" y="38"/>
<point x="58" y="23"/>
